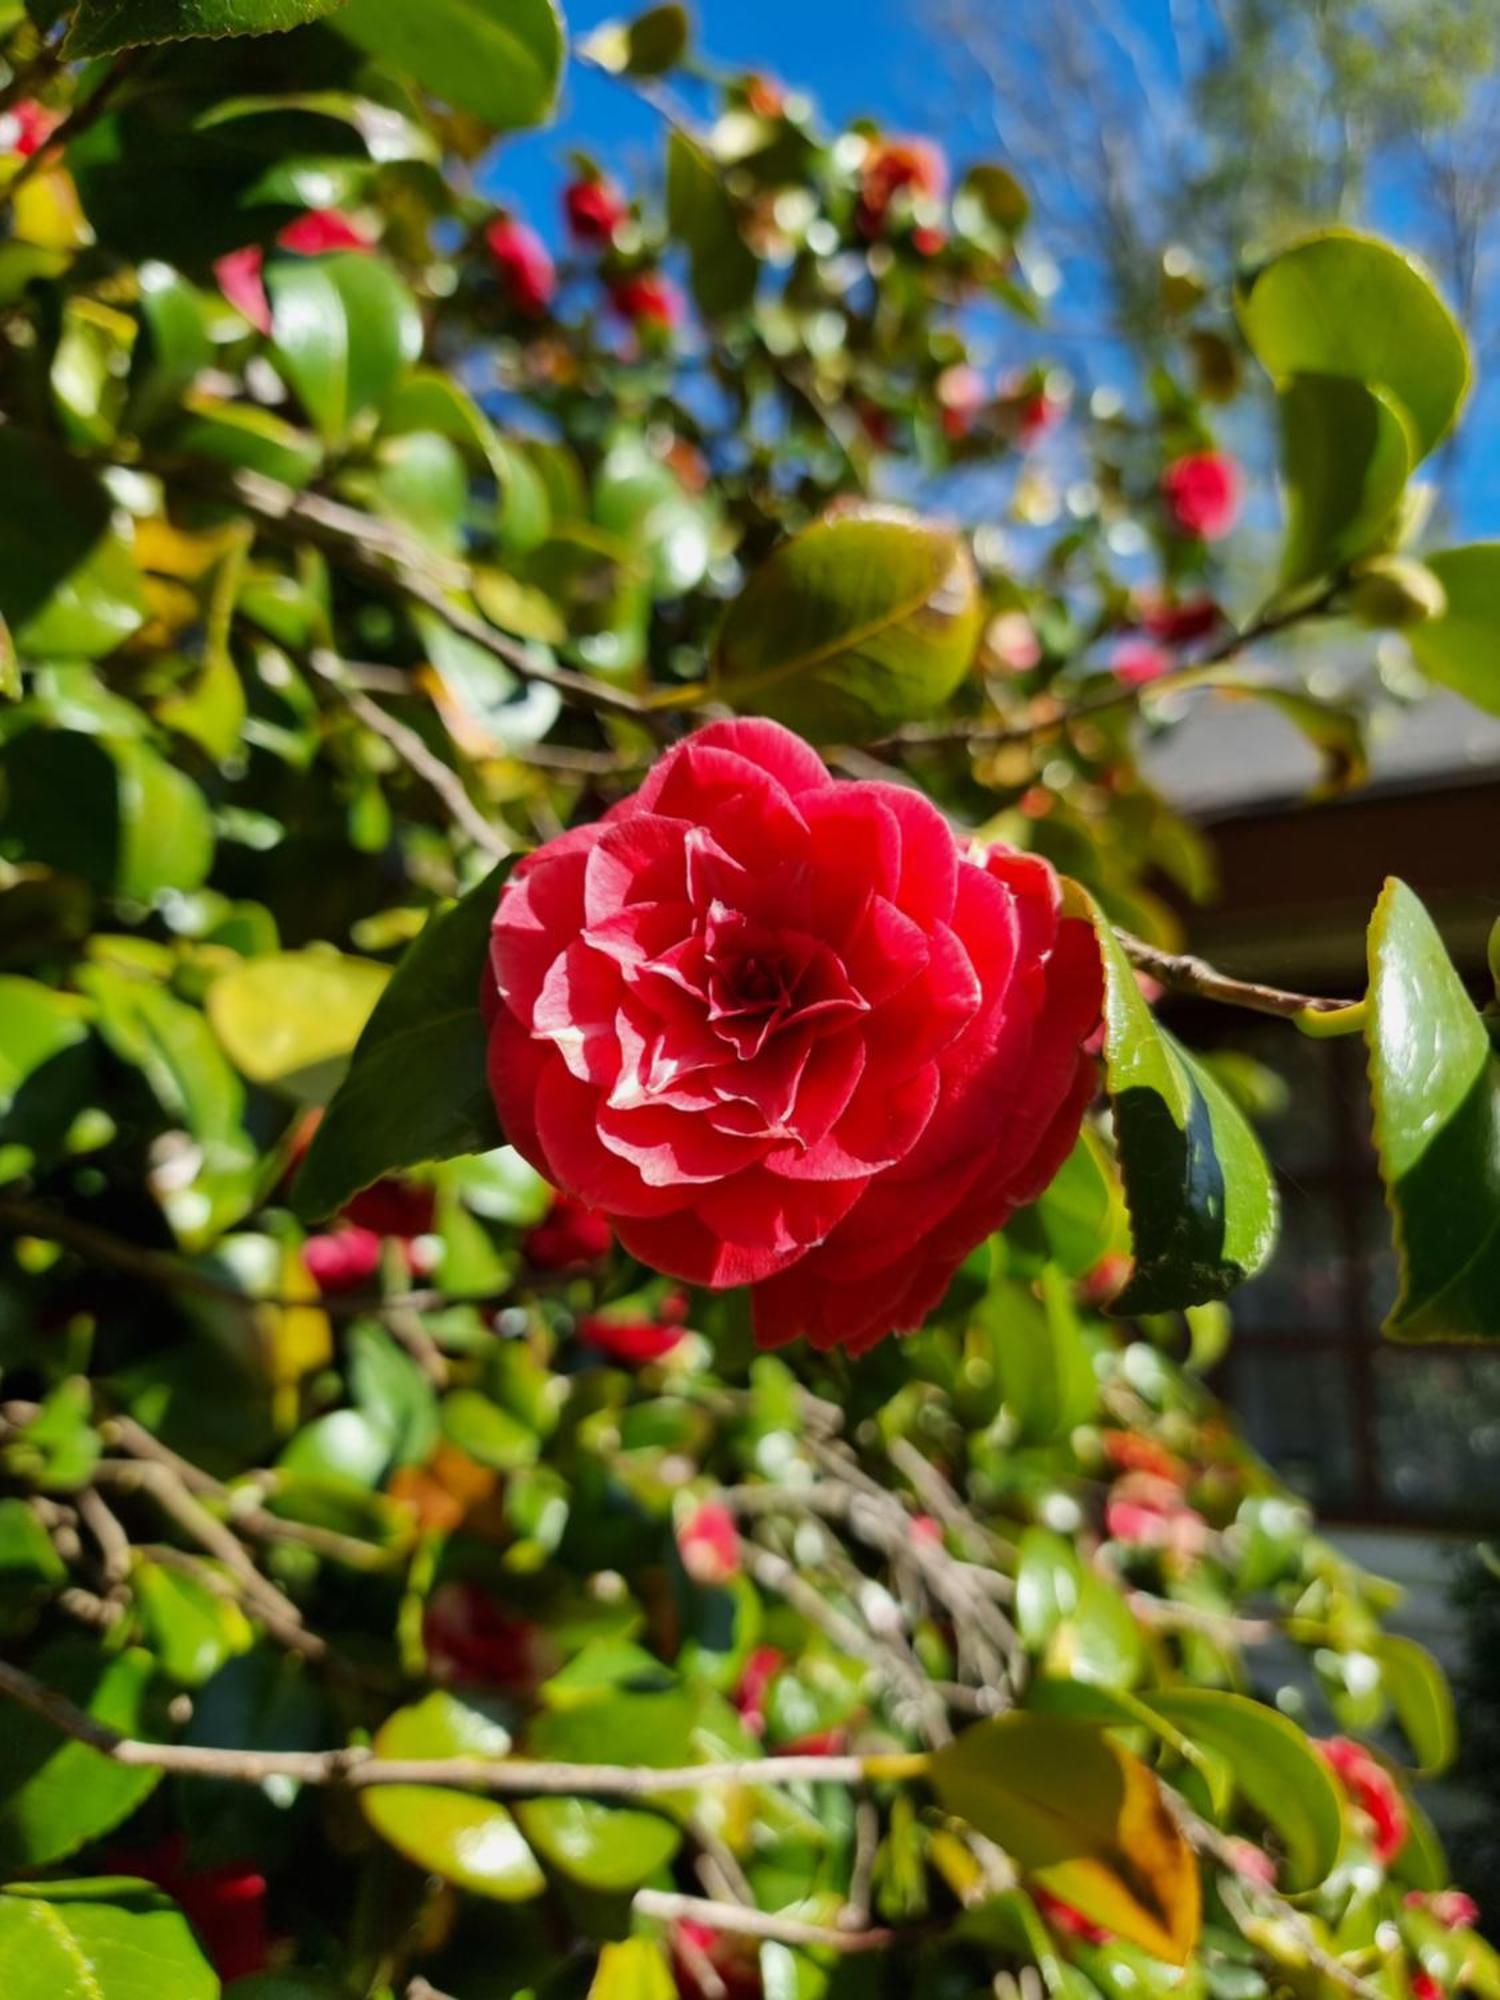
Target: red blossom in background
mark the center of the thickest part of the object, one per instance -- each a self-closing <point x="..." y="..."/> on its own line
<point x="1451" y="1907"/>
<point x="785" y="1032"/>
<point x="648" y="300"/>
<point x="960" y="394"/>
<point x="26" y="128"/>
<point x="571" y="1235"/>
<point x="523" y="265"/>
<point x="226" y="1905"/>
<point x="636" y="1340"/>
<point x="1138" y="662"/>
<point x="240" y="274"/>
<point x="709" y="1543"/>
<point x="1063" y="1917"/>
<point x="893" y="167"/>
<point x="342" y="1260"/>
<point x="1178" y="623"/>
<point x="470" y="1638"/>
<point x="1202" y="494"/>
<point x="761" y="1667"/>
<point x="1371" y="1790"/>
<point x="1150" y="1512"/>
<point x="1425" y="1987"/>
<point x="594" y="209"/>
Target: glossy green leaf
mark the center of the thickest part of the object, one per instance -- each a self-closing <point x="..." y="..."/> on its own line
<point x="415" y="1089"/>
<point x="1049" y="1576"/>
<point x="1418" y="1690"/>
<point x="1346" y="452"/>
<point x="344" y="330"/>
<point x="722" y="266"/>
<point x="68" y="586"/>
<point x="37" y="1025"/>
<point x="191" y="1628"/>
<point x="640" y="499"/>
<point x="1461" y="648"/>
<point x="1282" y="1779"/>
<point x="108" y="809"/>
<point x="1435" y="1079"/>
<point x="292" y="1018"/>
<point x="486" y="1432"/>
<point x="102" y="1939"/>
<point x="1078" y="1217"/>
<point x="647" y="46"/>
<point x="473" y="1842"/>
<point x="1201" y="1197"/>
<point x="501" y="60"/>
<point x="863" y="621"/>
<point x="1338" y="303"/>
<point x="1083" y="1818"/>
<point x="55" y="1794"/>
<point x="1045" y="1372"/>
<point x="637" y="1968"/>
<point x="240" y="435"/>
<point x="1098" y="1644"/>
<point x="102" y="27"/>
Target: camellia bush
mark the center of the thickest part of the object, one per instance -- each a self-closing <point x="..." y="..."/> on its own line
<point x="607" y="1267"/>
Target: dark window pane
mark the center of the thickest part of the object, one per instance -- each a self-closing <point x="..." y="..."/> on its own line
<point x="1296" y="1407"/>
<point x="1302" y="1137"/>
<point x="1437" y="1420"/>
<point x="1305" y="1287"/>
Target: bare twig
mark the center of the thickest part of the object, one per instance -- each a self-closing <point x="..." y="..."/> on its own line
<point x="356" y="1768"/>
<point x="414" y="753"/>
<point x="743" y="1921"/>
<point x="1182" y="973"/>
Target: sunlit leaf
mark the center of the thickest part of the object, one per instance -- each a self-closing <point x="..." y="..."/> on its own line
<point x="292" y="1018"/>
<point x="106" y="1938"/>
<point x="101" y="27"/>
<point x="499" y="59"/>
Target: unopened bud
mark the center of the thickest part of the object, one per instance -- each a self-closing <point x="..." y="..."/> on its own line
<point x="1394" y="592"/>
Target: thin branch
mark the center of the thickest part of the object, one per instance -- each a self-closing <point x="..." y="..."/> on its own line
<point x="1183" y="973"/>
<point x="743" y="1921"/>
<point x="439" y="777"/>
<point x="356" y="1768"/>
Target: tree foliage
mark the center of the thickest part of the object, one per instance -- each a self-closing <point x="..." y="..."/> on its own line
<point x="382" y="1550"/>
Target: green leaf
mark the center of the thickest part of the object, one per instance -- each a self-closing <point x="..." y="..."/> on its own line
<point x="1461" y="648"/>
<point x="1201" y="1198"/>
<point x="1077" y="1218"/>
<point x="105" y="1939"/>
<point x="1346" y="452"/>
<point x="68" y="586"/>
<point x="1338" y="303"/>
<point x="651" y="44"/>
<point x="109" y="809"/>
<point x="471" y="1841"/>
<point x="501" y="60"/>
<point x="1274" y="1767"/>
<point x="1049" y="1576"/>
<point x="1046" y="1375"/>
<point x="487" y="1433"/>
<point x="1083" y="1817"/>
<point x="174" y="1048"/>
<point x="292" y="1018"/>
<point x="722" y="266"/>
<point x="103" y="27"/>
<point x="638" y="498"/>
<point x="989" y="207"/>
<point x="55" y="1794"/>
<point x="1418" y="1690"/>
<point x="1436" y="1085"/>
<point x="240" y="435"/>
<point x="636" y="1968"/>
<point x="416" y="1087"/>
<point x="37" y="1025"/>
<point x="190" y="1628"/>
<point x="863" y="621"/>
<point x="344" y="330"/>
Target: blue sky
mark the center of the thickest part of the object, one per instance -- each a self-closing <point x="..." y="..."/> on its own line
<point x="879" y="58"/>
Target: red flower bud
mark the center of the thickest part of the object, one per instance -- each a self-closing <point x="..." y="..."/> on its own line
<point x="1371" y="1790"/>
<point x="761" y="1667"/>
<point x="225" y="1905"/>
<point x="1178" y="624"/>
<point x="392" y="1207"/>
<point x="1202" y="494"/>
<point x="648" y="300"/>
<point x="324" y="229"/>
<point x="471" y="1638"/>
<point x="523" y="264"/>
<point x="634" y="1341"/>
<point x="898" y="166"/>
<point x="1451" y="1907"/>
<point x="26" y="128"/>
<point x="573" y="1234"/>
<point x="765" y="97"/>
<point x="595" y="209"/>
<point x="1063" y="1917"/>
<point x="342" y="1259"/>
<point x="709" y="1543"/>
<point x="1137" y="662"/>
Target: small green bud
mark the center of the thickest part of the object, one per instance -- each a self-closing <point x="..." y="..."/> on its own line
<point x="1394" y="592"/>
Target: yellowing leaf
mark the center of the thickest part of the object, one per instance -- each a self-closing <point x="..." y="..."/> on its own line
<point x="1083" y="1818"/>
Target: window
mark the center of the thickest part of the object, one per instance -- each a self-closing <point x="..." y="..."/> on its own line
<point x="1368" y="1429"/>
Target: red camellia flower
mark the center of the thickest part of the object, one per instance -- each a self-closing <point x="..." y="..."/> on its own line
<point x="1063" y="1917"/>
<point x="595" y="209"/>
<point x="225" y="1905"/>
<point x="648" y="300"/>
<point x="709" y="1543"/>
<point x="240" y="274"/>
<point x="786" y="1032"/>
<point x="571" y="1234"/>
<point x="1371" y="1790"/>
<point x="898" y="166"/>
<point x="1202" y="493"/>
<point x="523" y="264"/>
